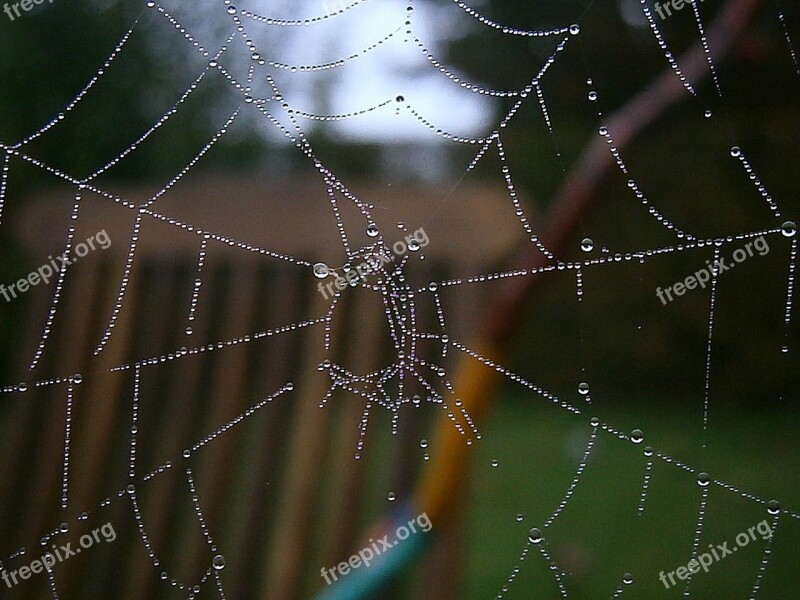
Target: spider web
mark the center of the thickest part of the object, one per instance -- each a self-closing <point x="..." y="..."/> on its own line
<point x="259" y="82"/>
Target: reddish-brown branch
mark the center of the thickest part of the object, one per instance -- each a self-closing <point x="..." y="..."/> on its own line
<point x="578" y="194"/>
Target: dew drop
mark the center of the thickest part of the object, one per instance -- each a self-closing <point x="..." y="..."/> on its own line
<point x="520" y="518"/>
<point x="707" y="114"/>
<point x="151" y="4"/>
<point x="637" y="436"/>
<point x="321" y="270"/>
<point x="231" y="10"/>
<point x="372" y="231"/>
<point x="789" y="229"/>
<point x="423" y="443"/>
<point x="64" y="528"/>
<point x="587" y="245"/>
<point x="648" y="451"/>
<point x="391" y="496"/>
<point x="189" y="331"/>
<point x="593" y="96"/>
<point x="494" y="463"/>
<point x="83" y="516"/>
<point x="413" y="245"/>
<point x="574" y="29"/>
<point x="131" y="488"/>
<point x="218" y="562"/>
<point x="22" y="387"/>
<point x="773" y="507"/>
<point x="433" y="287"/>
<point x="187" y="453"/>
<point x="703" y="479"/>
<point x="400" y="99"/>
<point x="736" y="151"/>
<point x="77" y="379"/>
<point x="627" y="579"/>
<point x="594" y="421"/>
<point x="535" y="535"/>
<point x="583" y="388"/>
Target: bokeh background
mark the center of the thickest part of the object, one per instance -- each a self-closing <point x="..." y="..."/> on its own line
<point x="645" y="363"/>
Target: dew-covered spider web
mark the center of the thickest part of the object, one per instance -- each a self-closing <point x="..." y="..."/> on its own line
<point x="578" y="393"/>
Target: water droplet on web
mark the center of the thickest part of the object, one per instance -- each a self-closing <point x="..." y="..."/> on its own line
<point x="583" y="388"/>
<point x="627" y="579"/>
<point x="773" y="507"/>
<point x="218" y="562"/>
<point x="648" y="451"/>
<point x="707" y="114"/>
<point x="593" y="96"/>
<point x="151" y="4"/>
<point x="603" y="131"/>
<point x="494" y="463"/>
<point x="789" y="229"/>
<point x="703" y="479"/>
<point x="520" y="518"/>
<point x="83" y="516"/>
<point x="400" y="99"/>
<point x="535" y="535"/>
<point x="587" y="245"/>
<point x="321" y="270"/>
<point x="391" y="496"/>
<point x="594" y="421"/>
<point x="423" y="443"/>
<point x="637" y="436"/>
<point x="187" y="453"/>
<point x="574" y="29"/>
<point x="231" y="10"/>
<point x="433" y="287"/>
<point x="736" y="151"/>
<point x="372" y="231"/>
<point x="189" y="331"/>
<point x="77" y="379"/>
<point x="64" y="528"/>
<point x="413" y="245"/>
<point x="22" y="387"/>
<point x="131" y="488"/>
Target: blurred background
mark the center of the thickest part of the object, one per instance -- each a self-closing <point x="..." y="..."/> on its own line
<point x="282" y="493"/>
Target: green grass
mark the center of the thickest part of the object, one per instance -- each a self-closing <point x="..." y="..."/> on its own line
<point x="600" y="535"/>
